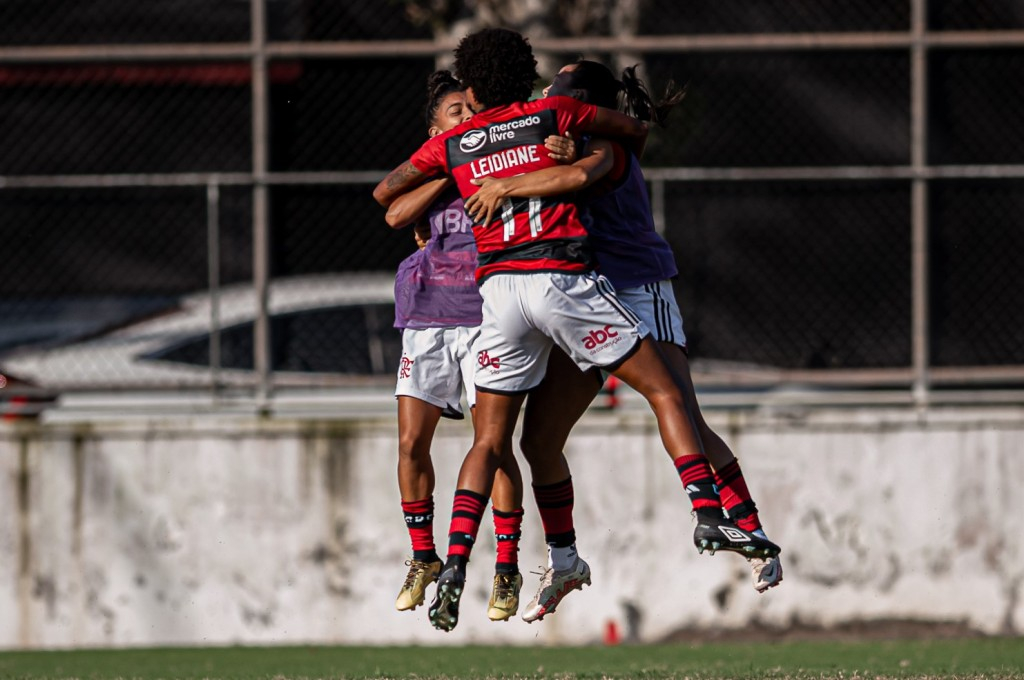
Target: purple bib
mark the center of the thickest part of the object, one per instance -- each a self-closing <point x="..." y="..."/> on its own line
<point x="629" y="251"/>
<point x="436" y="287"/>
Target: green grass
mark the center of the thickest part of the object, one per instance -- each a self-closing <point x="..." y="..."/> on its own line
<point x="974" y="658"/>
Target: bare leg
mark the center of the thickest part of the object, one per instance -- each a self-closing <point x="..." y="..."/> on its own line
<point x="552" y="409"/>
<point x="496" y="416"/>
<point x="417" y="421"/>
<point x="718" y="452"/>
<point x="645" y="371"/>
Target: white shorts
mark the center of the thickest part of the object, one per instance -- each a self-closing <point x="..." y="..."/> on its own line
<point x="436" y="365"/>
<point x="526" y="314"/>
<point x="655" y="304"/>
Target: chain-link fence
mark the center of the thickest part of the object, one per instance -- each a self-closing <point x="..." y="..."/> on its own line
<point x="185" y="186"/>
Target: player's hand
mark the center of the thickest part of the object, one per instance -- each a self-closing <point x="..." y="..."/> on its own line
<point x="482" y="205"/>
<point x="421" y="232"/>
<point x="561" y="149"/>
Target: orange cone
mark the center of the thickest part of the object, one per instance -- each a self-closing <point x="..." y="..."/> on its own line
<point x="611" y="634"/>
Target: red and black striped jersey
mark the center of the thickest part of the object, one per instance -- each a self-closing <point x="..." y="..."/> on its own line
<point x="529" y="234"/>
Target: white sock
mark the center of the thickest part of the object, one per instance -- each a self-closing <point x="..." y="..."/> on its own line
<point x="562" y="559"/>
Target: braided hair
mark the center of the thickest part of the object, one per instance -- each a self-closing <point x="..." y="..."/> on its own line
<point x="440" y="84"/>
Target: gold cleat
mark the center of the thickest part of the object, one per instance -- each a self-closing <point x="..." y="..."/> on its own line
<point x="504" y="597"/>
<point x="421" y="575"/>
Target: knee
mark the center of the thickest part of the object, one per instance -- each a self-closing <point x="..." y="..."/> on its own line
<point x="667" y="400"/>
<point x="413" y="446"/>
<point x="531" y="447"/>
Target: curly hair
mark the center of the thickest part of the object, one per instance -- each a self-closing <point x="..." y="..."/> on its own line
<point x="440" y="84"/>
<point x="499" y="66"/>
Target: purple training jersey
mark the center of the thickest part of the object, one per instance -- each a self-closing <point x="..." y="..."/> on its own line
<point x="629" y="251"/>
<point x="436" y="287"/>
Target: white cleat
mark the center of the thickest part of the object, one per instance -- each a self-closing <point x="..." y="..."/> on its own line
<point x="555" y="585"/>
<point x="767" y="572"/>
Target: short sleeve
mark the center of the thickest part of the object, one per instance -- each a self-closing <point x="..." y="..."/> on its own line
<point x="573" y="115"/>
<point x="430" y="158"/>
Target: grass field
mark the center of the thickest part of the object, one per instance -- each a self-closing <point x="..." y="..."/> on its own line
<point x="974" y="658"/>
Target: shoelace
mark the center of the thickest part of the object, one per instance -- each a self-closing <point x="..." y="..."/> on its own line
<point x="505" y="587"/>
<point x="415" y="569"/>
<point x="547" y="576"/>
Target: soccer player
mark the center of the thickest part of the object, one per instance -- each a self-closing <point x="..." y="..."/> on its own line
<point x="437" y="306"/>
<point x="635" y="258"/>
<point x="536" y="280"/>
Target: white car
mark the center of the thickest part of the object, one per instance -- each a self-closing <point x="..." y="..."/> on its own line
<point x="324" y="328"/>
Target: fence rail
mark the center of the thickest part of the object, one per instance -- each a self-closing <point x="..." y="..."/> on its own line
<point x="890" y="140"/>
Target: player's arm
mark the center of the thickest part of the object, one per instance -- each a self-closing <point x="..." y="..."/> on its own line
<point x="632" y="133"/>
<point x="409" y="207"/>
<point x="400" y="180"/>
<point x="596" y="162"/>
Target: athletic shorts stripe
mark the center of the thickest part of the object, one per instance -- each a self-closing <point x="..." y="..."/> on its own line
<point x="655" y="304"/>
<point x="606" y="290"/>
<point x="662" y="312"/>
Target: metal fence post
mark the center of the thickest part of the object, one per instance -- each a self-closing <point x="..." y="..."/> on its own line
<point x="260" y="217"/>
<point x="213" y="273"/>
<point x="919" y="201"/>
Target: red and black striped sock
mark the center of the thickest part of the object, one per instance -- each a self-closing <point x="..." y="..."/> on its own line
<point x="698" y="482"/>
<point x="419" y="519"/>
<point x="467" y="511"/>
<point x="555" y="501"/>
<point x="736" y="498"/>
<point x="507" y="532"/>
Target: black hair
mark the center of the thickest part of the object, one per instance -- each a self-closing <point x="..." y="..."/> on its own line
<point x="593" y="82"/>
<point x="639" y="102"/>
<point x="440" y="84"/>
<point x="590" y="82"/>
<point x="499" y="66"/>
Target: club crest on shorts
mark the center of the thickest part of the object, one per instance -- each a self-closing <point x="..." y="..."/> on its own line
<point x="485" y="360"/>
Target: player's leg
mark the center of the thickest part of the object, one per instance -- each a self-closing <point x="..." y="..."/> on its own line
<point x="417" y="421"/>
<point x="732" y="486"/>
<point x="597" y="329"/>
<point x="646" y="372"/>
<point x="506" y="499"/>
<point x="422" y="395"/>
<point x="496" y="416"/>
<point x="511" y="356"/>
<point x="552" y="409"/>
<point x="507" y="513"/>
<point x="655" y="304"/>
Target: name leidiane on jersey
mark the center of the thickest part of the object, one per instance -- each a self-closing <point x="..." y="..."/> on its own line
<point x="502" y="160"/>
<point x="515" y="152"/>
<point x="600" y="339"/>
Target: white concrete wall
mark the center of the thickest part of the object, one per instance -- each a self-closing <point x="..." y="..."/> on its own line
<point x="208" y="531"/>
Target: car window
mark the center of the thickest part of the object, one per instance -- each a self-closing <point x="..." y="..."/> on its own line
<point x="350" y="339"/>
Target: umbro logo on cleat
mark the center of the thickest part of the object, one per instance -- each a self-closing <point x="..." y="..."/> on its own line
<point x="734" y="535"/>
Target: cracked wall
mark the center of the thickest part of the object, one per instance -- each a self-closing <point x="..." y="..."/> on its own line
<point x="220" y="532"/>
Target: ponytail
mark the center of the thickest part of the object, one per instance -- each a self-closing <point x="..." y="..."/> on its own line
<point x="639" y="103"/>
